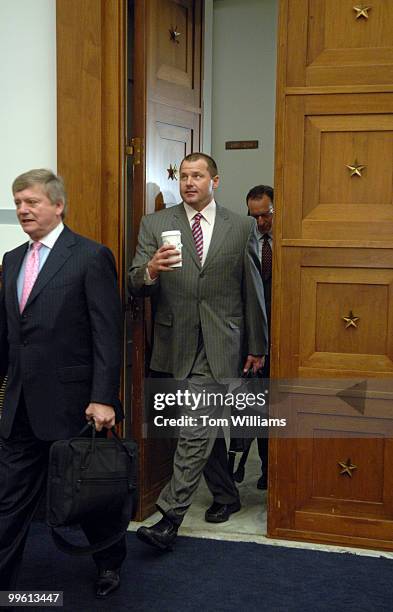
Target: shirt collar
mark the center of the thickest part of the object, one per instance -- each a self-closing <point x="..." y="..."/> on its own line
<point x="208" y="213"/>
<point x="260" y="236"/>
<point x="50" y="239"/>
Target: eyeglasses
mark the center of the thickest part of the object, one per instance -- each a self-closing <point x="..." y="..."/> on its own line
<point x="265" y="215"/>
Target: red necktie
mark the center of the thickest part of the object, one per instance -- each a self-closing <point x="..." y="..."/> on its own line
<point x="197" y="233"/>
<point x="266" y="258"/>
<point x="31" y="272"/>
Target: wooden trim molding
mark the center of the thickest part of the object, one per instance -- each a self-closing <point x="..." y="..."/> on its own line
<point x="90" y="119"/>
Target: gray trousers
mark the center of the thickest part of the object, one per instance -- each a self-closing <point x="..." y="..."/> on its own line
<point x="201" y="449"/>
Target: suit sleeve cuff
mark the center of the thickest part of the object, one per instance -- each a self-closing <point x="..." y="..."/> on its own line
<point x="147" y="278"/>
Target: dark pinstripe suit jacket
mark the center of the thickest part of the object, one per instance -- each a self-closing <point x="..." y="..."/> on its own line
<point x="65" y="348"/>
<point x="224" y="297"/>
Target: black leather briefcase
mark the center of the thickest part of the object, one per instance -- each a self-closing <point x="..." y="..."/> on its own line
<point x="89" y="476"/>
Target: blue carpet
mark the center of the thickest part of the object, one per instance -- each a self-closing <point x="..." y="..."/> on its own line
<point x="210" y="575"/>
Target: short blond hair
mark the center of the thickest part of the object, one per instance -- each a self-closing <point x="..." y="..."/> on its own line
<point x="52" y="184"/>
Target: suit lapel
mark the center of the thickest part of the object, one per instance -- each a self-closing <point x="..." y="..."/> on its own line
<point x="222" y="226"/>
<point x="187" y="238"/>
<point x="13" y="273"/>
<point x="56" y="259"/>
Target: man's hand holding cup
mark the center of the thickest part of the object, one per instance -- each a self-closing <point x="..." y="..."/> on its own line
<point x="168" y="257"/>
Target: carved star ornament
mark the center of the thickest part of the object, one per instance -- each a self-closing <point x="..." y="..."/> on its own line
<point x="350" y="320"/>
<point x="362" y="11"/>
<point x="347" y="467"/>
<point x="355" y="169"/>
<point x="172" y="172"/>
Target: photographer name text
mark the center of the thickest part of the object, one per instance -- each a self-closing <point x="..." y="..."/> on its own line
<point x="243" y="420"/>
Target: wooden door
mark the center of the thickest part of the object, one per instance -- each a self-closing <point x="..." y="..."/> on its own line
<point x="165" y="110"/>
<point x="333" y="281"/>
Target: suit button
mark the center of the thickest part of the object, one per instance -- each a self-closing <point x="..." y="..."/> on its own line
<point x="202" y="274"/>
<point x="24" y="343"/>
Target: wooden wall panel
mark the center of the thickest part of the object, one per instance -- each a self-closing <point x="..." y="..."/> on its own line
<point x="326" y="342"/>
<point x="172" y="134"/>
<point x="324" y="201"/>
<point x="79" y="58"/>
<point x="175" y="59"/>
<point x="331" y="46"/>
<point x="322" y="286"/>
<point x="90" y="109"/>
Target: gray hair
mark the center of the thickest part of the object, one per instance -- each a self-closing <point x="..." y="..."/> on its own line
<point x="52" y="184"/>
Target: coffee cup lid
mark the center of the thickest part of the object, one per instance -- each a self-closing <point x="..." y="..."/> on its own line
<point x="171" y="233"/>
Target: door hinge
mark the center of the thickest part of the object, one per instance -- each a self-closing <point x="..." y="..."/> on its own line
<point x="134" y="148"/>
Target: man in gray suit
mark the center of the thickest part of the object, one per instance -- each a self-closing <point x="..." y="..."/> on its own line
<point x="210" y="323"/>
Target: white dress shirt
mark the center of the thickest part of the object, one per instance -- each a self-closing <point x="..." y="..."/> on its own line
<point x="207" y="223"/>
<point x="47" y="242"/>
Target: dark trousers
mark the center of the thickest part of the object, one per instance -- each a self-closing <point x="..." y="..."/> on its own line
<point x="263" y="452"/>
<point x="23" y="471"/>
<point x="217" y="476"/>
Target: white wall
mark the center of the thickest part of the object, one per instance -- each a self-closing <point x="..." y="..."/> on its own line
<point x="243" y="94"/>
<point x="27" y="101"/>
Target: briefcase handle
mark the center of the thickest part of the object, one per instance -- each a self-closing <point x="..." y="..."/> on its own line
<point x="91" y="425"/>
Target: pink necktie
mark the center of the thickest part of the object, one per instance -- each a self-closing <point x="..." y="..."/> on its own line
<point x="197" y="233"/>
<point x="31" y="272"/>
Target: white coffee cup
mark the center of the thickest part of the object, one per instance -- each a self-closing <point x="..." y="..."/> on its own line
<point x="173" y="237"/>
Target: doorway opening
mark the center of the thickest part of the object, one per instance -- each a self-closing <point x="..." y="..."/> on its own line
<point x="237" y="105"/>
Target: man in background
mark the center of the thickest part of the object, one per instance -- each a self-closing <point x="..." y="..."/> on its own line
<point x="210" y="323"/>
<point x="60" y="350"/>
<point x="260" y="207"/>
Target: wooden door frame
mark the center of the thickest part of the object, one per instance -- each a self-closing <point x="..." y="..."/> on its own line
<point x="90" y="117"/>
<point x="272" y="501"/>
<point x="138" y="207"/>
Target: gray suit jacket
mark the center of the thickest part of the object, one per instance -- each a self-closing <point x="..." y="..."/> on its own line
<point x="224" y="297"/>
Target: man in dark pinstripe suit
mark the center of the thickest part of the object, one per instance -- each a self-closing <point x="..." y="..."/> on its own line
<point x="60" y="349"/>
<point x="210" y="323"/>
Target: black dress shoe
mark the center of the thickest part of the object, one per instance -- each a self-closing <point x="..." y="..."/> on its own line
<point x="262" y="483"/>
<point x="161" y="535"/>
<point x="219" y="513"/>
<point x="107" y="582"/>
<point x="239" y="474"/>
